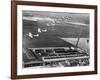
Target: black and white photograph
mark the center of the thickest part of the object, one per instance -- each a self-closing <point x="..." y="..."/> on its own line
<point x="55" y="39"/>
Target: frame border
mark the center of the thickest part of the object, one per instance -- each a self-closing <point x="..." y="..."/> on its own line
<point x="14" y="39"/>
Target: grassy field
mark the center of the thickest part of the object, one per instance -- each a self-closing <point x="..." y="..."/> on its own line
<point x="61" y="36"/>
